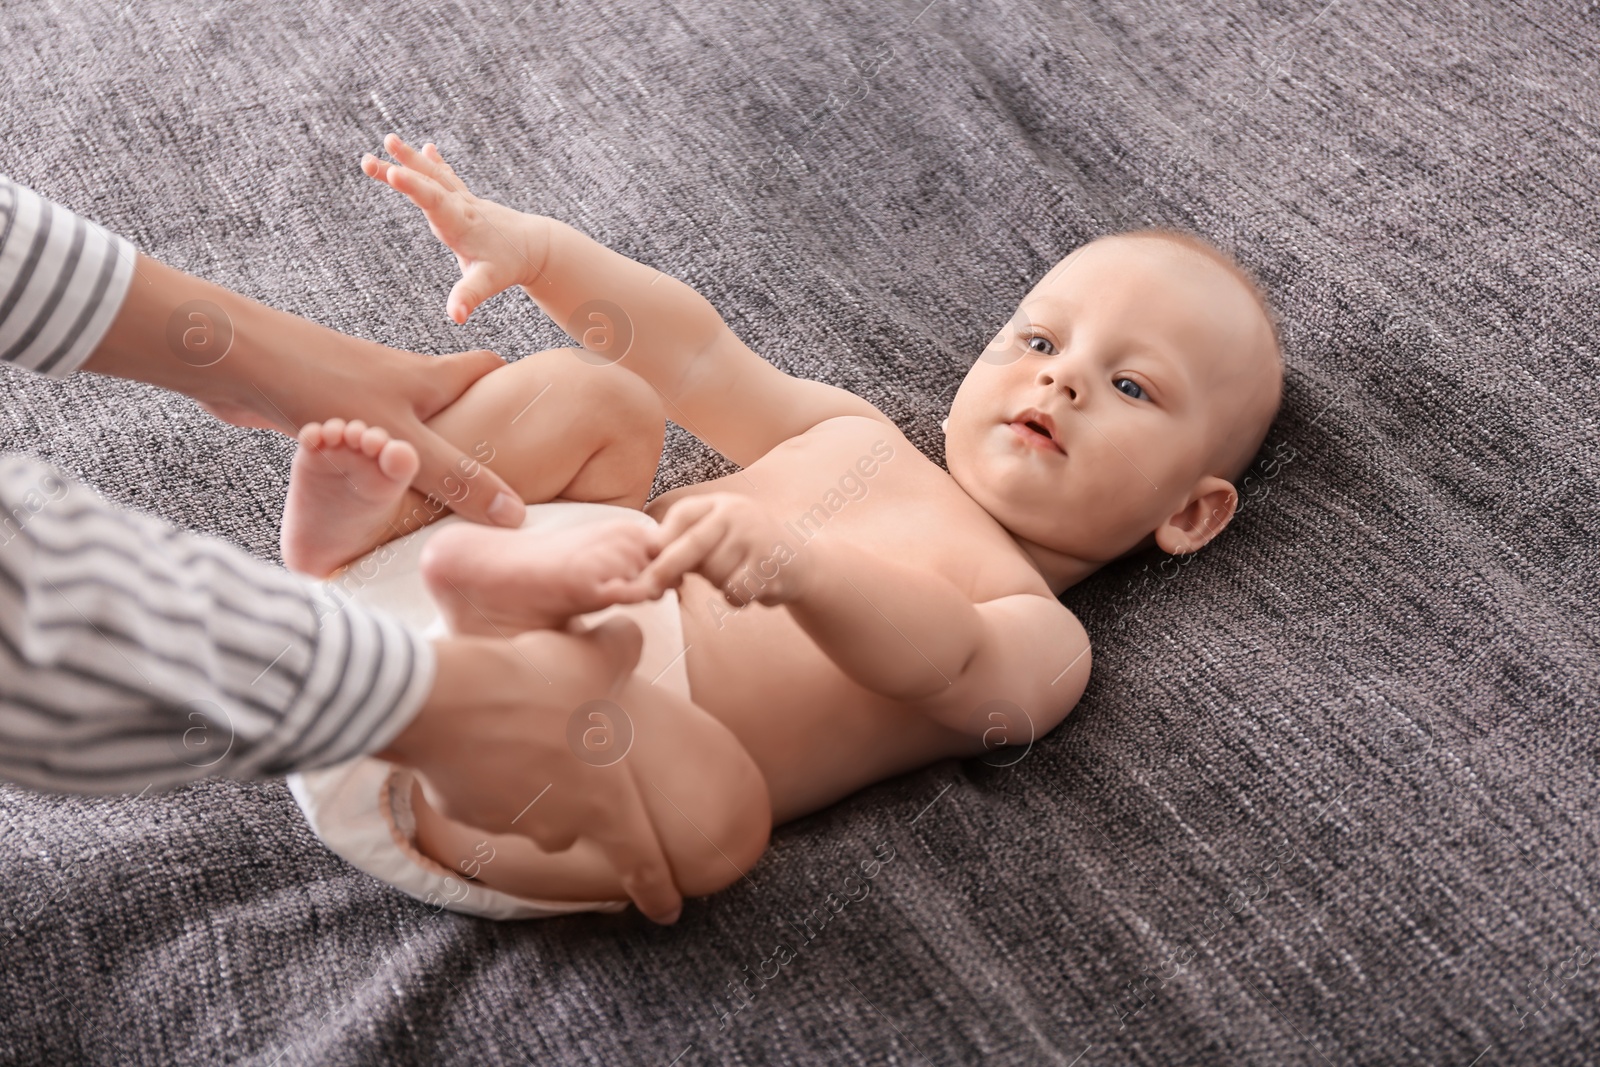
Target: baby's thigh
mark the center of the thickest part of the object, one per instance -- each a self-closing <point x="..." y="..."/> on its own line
<point x="705" y="795"/>
<point x="558" y="424"/>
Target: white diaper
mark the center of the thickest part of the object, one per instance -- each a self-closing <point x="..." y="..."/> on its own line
<point x="361" y="809"/>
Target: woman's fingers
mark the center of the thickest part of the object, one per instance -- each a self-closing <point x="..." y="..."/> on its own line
<point x="446" y="377"/>
<point x="472" y="490"/>
<point x="625" y="834"/>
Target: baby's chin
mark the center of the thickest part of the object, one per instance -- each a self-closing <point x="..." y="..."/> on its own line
<point x="1059" y="520"/>
<point x="1063" y="524"/>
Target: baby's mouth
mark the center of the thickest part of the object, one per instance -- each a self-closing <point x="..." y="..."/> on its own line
<point x="1035" y="434"/>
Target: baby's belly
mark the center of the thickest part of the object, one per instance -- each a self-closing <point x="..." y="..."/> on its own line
<point x="815" y="734"/>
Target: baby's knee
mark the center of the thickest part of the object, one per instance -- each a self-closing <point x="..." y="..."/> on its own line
<point x="628" y="424"/>
<point x="632" y="402"/>
<point x="635" y="423"/>
<point x="725" y="840"/>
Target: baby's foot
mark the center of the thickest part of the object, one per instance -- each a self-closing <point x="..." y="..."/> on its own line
<point x="490" y="581"/>
<point x="344" y="485"/>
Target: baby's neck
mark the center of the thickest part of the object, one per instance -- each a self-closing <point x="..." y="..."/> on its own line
<point x="1058" y="569"/>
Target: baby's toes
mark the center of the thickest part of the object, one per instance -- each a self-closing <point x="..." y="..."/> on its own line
<point x="329" y="434"/>
<point x="399" y="460"/>
<point x="372" y="440"/>
<point x="352" y="434"/>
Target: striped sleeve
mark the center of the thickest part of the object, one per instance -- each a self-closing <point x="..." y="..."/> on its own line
<point x="134" y="654"/>
<point x="62" y="281"/>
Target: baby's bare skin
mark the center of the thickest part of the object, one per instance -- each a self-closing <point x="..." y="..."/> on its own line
<point x="817" y="734"/>
<point x="914" y="605"/>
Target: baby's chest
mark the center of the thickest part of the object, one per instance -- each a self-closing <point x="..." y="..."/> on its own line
<point x="861" y="481"/>
<point x="876" y="491"/>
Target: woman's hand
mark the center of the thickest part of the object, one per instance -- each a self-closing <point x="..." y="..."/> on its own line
<point x="493" y="748"/>
<point x="399" y="391"/>
<point x="496" y="246"/>
<point x="255" y="366"/>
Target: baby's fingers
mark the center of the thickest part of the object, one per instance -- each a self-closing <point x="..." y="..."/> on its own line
<point x="375" y="168"/>
<point x="420" y="189"/>
<point x="402" y="180"/>
<point x="446" y="175"/>
<point x="430" y="163"/>
<point x="476" y="286"/>
<point x="685" y="553"/>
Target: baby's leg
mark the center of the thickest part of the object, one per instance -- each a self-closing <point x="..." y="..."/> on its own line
<point x="553" y="424"/>
<point x="703" y="792"/>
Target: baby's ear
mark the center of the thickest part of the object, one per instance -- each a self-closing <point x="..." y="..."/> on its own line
<point x="1209" y="510"/>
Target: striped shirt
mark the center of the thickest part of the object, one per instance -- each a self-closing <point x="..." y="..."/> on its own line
<point x="134" y="654"/>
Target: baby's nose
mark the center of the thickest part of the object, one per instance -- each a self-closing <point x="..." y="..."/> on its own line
<point x="1052" y="380"/>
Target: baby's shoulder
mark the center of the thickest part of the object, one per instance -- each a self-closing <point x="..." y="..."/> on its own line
<point x="879" y="424"/>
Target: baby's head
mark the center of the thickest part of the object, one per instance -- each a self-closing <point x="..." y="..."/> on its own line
<point x="1151" y="364"/>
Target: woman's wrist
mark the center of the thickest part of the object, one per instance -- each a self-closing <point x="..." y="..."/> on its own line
<point x="225" y="350"/>
<point x="467" y="672"/>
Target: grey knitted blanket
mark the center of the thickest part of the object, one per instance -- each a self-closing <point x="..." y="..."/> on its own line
<point x="1331" y="796"/>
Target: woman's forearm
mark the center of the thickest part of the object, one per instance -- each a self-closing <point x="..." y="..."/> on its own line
<point x="194" y="337"/>
<point x="257" y="366"/>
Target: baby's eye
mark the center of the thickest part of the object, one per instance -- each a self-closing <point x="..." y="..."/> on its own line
<point x="1137" y="393"/>
<point x="1048" y="347"/>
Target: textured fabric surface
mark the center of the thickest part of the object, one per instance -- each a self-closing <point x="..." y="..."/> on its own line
<point x="1330" y="797"/>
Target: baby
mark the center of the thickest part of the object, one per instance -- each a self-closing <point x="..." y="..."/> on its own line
<point x="850" y="610"/>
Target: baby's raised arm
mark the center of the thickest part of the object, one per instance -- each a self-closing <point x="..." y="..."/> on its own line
<point x="649" y="322"/>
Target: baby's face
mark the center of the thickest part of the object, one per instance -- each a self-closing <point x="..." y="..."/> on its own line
<point x="1143" y="361"/>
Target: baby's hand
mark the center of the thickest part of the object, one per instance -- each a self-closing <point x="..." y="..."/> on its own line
<point x="731" y="540"/>
<point x="494" y="244"/>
